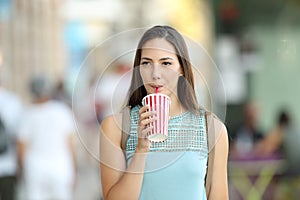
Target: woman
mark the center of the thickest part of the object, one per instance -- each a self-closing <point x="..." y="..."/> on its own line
<point x="191" y="163"/>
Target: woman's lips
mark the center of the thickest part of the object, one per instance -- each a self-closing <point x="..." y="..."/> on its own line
<point x="156" y="87"/>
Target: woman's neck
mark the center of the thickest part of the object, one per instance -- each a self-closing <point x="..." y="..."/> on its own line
<point x="176" y="107"/>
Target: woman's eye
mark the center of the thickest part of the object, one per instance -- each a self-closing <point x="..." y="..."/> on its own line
<point x="166" y="63"/>
<point x="145" y="63"/>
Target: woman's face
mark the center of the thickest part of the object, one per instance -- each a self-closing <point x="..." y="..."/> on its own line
<point x="160" y="67"/>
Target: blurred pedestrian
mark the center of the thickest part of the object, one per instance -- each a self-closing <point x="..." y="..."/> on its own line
<point x="60" y="93"/>
<point x="10" y="113"/>
<point x="248" y="134"/>
<point x="45" y="146"/>
<point x="112" y="90"/>
<point x="272" y="144"/>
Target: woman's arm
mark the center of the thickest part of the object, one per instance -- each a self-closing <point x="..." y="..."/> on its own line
<point x="119" y="182"/>
<point x="217" y="182"/>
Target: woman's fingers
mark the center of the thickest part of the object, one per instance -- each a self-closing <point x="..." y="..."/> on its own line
<point x="147" y="121"/>
<point x="146" y="116"/>
<point x="144" y="108"/>
<point x="145" y="113"/>
<point x="144" y="127"/>
<point x="145" y="131"/>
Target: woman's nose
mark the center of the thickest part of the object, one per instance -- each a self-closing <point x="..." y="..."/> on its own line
<point x="156" y="73"/>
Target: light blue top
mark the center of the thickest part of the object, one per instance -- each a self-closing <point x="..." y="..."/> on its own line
<point x="176" y="168"/>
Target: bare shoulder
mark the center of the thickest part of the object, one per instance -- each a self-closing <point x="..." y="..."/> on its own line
<point x="217" y="132"/>
<point x="111" y="128"/>
<point x="221" y="136"/>
<point x="220" y="125"/>
<point x="215" y="124"/>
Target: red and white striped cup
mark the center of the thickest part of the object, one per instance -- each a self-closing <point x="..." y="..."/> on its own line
<point x="161" y="104"/>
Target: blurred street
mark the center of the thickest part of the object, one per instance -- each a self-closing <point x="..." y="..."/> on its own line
<point x="245" y="57"/>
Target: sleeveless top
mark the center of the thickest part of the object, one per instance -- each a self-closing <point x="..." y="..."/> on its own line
<point x="176" y="168"/>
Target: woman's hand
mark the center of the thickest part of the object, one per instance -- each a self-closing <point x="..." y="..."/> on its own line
<point x="146" y="117"/>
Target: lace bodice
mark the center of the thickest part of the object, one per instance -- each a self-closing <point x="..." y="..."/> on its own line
<point x="186" y="132"/>
<point x="176" y="168"/>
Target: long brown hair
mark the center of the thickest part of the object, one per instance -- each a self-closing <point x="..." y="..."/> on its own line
<point x="185" y="90"/>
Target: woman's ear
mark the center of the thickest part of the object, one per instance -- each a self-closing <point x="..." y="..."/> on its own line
<point x="181" y="72"/>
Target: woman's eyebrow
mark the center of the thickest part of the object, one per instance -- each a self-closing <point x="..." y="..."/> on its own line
<point x="145" y="58"/>
<point x="166" y="58"/>
<point x="162" y="59"/>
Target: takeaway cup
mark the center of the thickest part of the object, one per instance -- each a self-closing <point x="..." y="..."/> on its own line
<point x="161" y="104"/>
